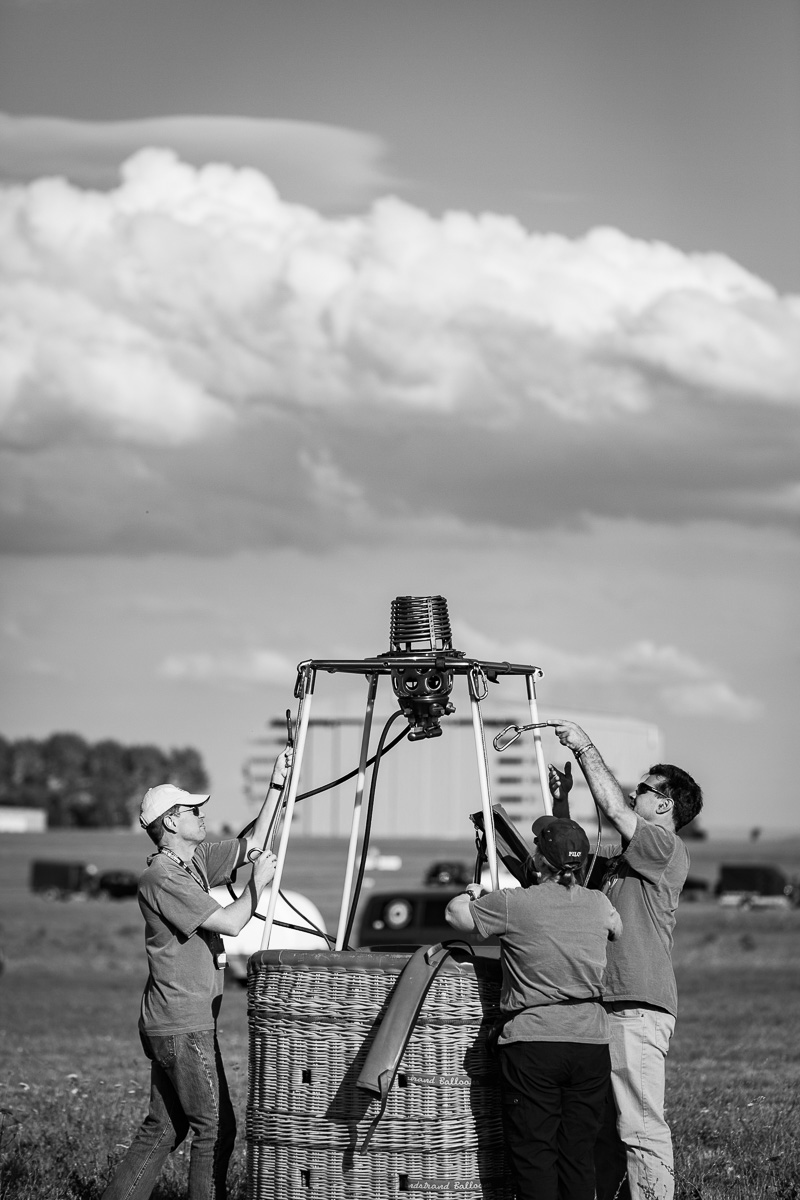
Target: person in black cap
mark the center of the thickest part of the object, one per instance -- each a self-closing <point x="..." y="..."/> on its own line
<point x="553" y="1046"/>
<point x="183" y="993"/>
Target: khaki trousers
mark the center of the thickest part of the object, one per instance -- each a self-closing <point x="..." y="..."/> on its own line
<point x="640" y="1038"/>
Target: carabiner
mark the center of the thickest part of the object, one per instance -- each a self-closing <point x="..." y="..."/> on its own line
<point x="502" y="741"/>
<point x="478" y="683"/>
<point x="305" y="679"/>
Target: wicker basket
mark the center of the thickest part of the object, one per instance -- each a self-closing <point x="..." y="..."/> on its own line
<point x="312" y="1017"/>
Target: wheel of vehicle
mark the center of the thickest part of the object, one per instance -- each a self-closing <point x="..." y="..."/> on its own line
<point x="397" y="913"/>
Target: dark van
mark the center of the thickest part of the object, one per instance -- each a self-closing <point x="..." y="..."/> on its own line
<point x="757" y="885"/>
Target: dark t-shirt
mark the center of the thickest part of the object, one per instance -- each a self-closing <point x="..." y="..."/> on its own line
<point x="183" y="983"/>
<point x="643" y="882"/>
<point x="553" y="948"/>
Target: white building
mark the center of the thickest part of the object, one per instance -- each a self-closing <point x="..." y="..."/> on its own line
<point x="22" y="820"/>
<point x="427" y="789"/>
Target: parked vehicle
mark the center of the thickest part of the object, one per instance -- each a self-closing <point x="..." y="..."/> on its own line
<point x="407" y="918"/>
<point x="60" y="880"/>
<point x="695" y="888"/>
<point x="754" y="885"/>
<point x="447" y="874"/>
<point x="116" y="885"/>
<point x="404" y="919"/>
<point x="76" y="880"/>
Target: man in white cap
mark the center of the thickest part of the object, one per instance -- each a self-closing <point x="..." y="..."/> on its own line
<point x="183" y="994"/>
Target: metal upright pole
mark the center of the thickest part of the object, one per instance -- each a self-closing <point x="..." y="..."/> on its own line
<point x="356" y="821"/>
<point x="294" y="781"/>
<point x="483" y="778"/>
<point x="541" y="765"/>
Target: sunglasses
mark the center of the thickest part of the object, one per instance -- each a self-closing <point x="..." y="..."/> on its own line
<point x="194" y="809"/>
<point x="645" y="787"/>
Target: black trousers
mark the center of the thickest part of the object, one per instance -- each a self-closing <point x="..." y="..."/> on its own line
<point x="610" y="1156"/>
<point x="553" y="1099"/>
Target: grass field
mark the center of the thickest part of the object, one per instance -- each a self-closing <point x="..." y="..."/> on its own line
<point x="74" y="1084"/>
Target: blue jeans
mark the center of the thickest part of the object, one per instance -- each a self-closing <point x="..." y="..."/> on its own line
<point x="188" y="1090"/>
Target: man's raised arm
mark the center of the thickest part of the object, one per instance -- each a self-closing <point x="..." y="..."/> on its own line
<point x="604" y="787"/>
<point x="274" y="797"/>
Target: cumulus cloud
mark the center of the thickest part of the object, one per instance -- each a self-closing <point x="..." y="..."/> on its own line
<point x="226" y="369"/>
<point x="673" y="679"/>
<point x="711" y="698"/>
<point x="678" y="681"/>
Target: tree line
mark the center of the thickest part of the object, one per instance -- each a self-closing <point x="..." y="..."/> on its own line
<point x="91" y="784"/>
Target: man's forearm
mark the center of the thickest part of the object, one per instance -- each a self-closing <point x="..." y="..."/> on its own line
<point x="258" y="834"/>
<point x="232" y="919"/>
<point x="272" y="800"/>
<point x="605" y="789"/>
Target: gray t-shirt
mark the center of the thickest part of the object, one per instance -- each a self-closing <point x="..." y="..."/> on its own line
<point x="553" y="950"/>
<point x="184" y="988"/>
<point x="643" y="882"/>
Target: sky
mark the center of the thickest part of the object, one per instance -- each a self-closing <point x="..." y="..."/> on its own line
<point x="307" y="306"/>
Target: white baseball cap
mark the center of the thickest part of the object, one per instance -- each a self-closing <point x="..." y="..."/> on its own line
<point x="158" y="800"/>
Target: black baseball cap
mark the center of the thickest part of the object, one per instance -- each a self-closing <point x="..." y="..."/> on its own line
<point x="563" y="842"/>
